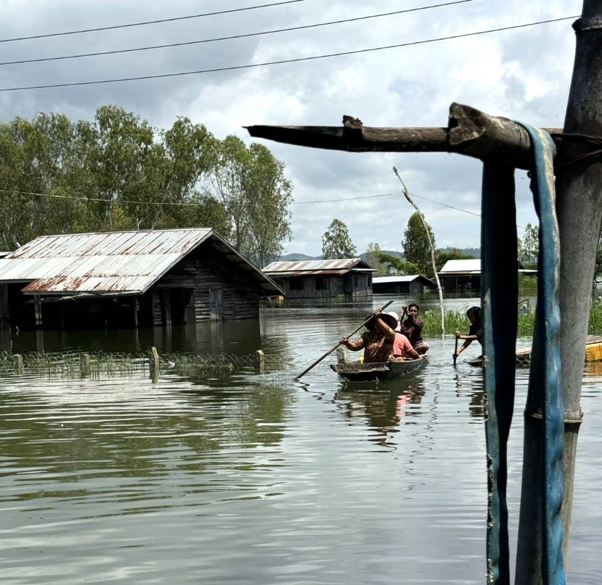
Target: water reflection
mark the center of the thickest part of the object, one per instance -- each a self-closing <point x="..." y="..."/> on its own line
<point x="383" y="408"/>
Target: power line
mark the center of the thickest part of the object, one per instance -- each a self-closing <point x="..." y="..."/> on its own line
<point x="192" y="203"/>
<point x="280" y="62"/>
<point x="346" y="199"/>
<point x="145" y="23"/>
<point x="229" y="38"/>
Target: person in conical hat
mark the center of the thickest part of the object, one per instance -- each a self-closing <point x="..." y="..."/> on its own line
<point x="377" y="342"/>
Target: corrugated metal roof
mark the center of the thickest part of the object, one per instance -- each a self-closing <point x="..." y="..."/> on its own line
<point x="472" y="266"/>
<point x="305" y="266"/>
<point x="112" y="262"/>
<point x="405" y="278"/>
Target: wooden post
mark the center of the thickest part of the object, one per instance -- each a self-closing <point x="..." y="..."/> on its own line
<point x="259" y="362"/>
<point x="85" y="365"/>
<point x="154" y="364"/>
<point x="18" y="363"/>
<point x="37" y="310"/>
<point x="579" y="212"/>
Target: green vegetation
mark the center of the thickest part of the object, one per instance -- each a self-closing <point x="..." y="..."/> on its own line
<point x="336" y="242"/>
<point x="453" y="254"/>
<point x="117" y="172"/>
<point x="416" y="246"/>
<point x="457" y="320"/>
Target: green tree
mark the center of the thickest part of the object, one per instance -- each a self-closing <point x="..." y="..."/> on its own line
<point x="416" y="245"/>
<point x="396" y="265"/>
<point x="530" y="248"/>
<point x="453" y="254"/>
<point x="373" y="254"/>
<point x="336" y="243"/>
<point x="251" y="184"/>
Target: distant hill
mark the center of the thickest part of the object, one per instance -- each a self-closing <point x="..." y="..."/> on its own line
<point x="292" y="257"/>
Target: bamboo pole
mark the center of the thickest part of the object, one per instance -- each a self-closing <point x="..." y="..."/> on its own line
<point x="431" y="248"/>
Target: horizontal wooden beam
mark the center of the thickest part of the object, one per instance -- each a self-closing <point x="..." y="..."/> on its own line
<point x="469" y="132"/>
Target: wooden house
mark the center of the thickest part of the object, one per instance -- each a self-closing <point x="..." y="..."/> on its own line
<point x="461" y="275"/>
<point x="410" y="285"/>
<point x="130" y="279"/>
<point x="465" y="275"/>
<point x="349" y="277"/>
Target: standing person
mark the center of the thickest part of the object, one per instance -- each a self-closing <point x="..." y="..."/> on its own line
<point x="377" y="342"/>
<point x="412" y="328"/>
<point x="474" y="333"/>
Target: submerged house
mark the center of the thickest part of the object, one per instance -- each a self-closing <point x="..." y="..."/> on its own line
<point x="130" y="279"/>
<point x="461" y="275"/>
<point x="411" y="284"/>
<point x="349" y="277"/>
<point x="466" y="274"/>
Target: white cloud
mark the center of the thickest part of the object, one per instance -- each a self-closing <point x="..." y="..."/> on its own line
<point x="523" y="74"/>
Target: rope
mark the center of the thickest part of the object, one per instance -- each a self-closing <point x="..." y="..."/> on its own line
<point x="546" y="373"/>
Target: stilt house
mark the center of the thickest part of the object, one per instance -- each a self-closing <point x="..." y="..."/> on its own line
<point x="130" y="279"/>
<point x="349" y="277"/>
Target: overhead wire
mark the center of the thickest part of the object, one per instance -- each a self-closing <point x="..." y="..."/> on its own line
<point x="278" y="62"/>
<point x="228" y="38"/>
<point x="147" y="22"/>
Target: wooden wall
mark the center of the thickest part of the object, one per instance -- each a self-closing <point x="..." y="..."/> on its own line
<point x="201" y="271"/>
<point x="306" y="287"/>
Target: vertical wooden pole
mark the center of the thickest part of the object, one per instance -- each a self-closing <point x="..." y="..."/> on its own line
<point x="135" y="312"/>
<point x="259" y="362"/>
<point x="154" y="364"/>
<point x="37" y="309"/>
<point x="579" y="212"/>
<point x="18" y="363"/>
<point x="85" y="364"/>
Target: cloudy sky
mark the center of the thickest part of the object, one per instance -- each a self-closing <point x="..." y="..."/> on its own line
<point x="522" y="73"/>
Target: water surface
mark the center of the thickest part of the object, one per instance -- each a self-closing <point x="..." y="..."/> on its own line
<point x="253" y="479"/>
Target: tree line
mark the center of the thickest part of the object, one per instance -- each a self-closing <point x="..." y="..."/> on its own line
<point x="337" y="243"/>
<point x="117" y="172"/>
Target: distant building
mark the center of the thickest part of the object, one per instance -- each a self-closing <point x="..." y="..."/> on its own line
<point x="129" y="279"/>
<point x="349" y="277"/>
<point x="413" y="285"/>
<point x="466" y="274"/>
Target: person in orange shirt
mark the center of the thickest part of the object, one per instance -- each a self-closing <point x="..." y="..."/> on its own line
<point x="402" y="348"/>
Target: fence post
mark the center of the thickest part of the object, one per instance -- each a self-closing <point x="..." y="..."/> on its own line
<point x="18" y="363"/>
<point x="84" y="362"/>
<point x="154" y="364"/>
<point x="259" y="362"/>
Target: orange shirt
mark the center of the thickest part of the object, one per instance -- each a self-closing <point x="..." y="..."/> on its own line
<point x="401" y="345"/>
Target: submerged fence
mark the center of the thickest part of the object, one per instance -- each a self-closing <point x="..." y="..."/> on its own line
<point x="82" y="364"/>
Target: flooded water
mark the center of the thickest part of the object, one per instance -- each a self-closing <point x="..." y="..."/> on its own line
<point x="259" y="479"/>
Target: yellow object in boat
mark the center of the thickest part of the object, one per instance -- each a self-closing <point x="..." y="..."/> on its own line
<point x="593" y="352"/>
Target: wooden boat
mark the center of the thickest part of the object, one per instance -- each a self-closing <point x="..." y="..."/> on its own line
<point x="593" y="353"/>
<point x="360" y="372"/>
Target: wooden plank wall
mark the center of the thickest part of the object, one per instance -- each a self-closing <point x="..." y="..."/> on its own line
<point x="204" y="269"/>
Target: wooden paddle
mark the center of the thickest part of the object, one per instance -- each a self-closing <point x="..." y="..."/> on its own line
<point x="339" y="343"/>
<point x="456" y="351"/>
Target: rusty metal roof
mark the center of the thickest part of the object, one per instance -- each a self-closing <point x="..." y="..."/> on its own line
<point x="305" y="267"/>
<point x="113" y="262"/>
